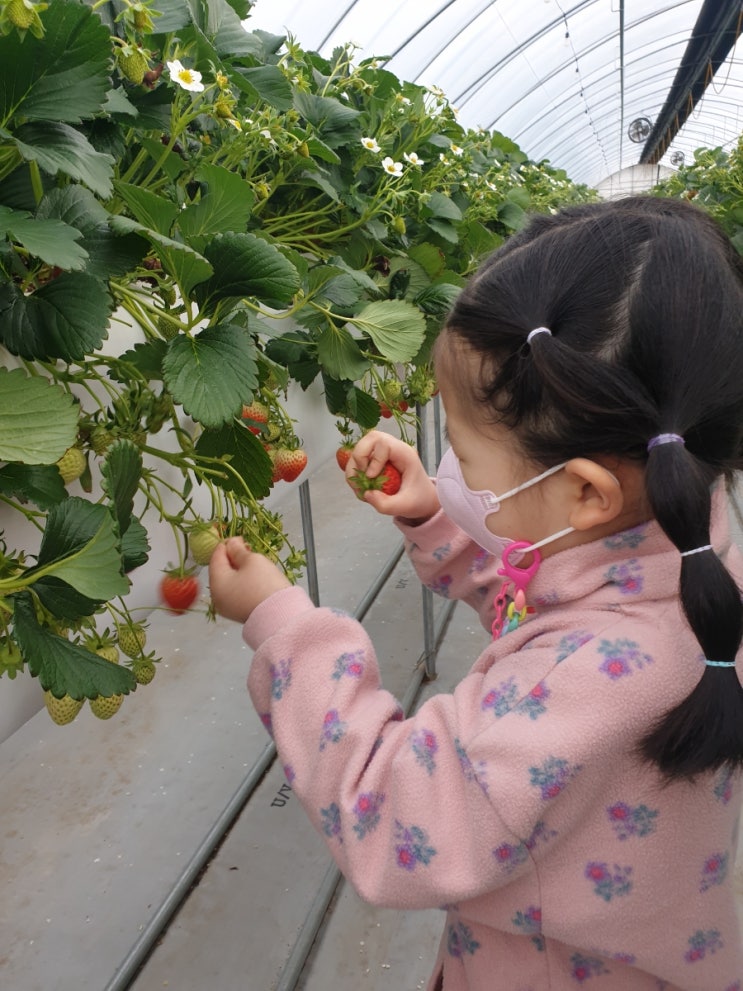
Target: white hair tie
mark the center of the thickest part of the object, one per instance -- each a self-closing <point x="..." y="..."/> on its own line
<point x="537" y="330"/>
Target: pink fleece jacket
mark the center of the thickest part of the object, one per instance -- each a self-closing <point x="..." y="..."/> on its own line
<point x="517" y="803"/>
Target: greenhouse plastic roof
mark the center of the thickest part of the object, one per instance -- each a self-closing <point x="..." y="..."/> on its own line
<point x="565" y="79"/>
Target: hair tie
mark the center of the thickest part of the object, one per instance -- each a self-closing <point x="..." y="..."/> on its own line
<point x="537" y="330"/>
<point x="665" y="439"/>
<point x="697" y="550"/>
<point x="719" y="664"/>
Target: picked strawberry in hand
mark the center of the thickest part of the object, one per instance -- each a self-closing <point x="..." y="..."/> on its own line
<point x="387" y="481"/>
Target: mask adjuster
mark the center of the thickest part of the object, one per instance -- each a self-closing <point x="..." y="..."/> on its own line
<point x="510" y="615"/>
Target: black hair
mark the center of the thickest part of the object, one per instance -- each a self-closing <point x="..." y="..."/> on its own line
<point x="644" y="299"/>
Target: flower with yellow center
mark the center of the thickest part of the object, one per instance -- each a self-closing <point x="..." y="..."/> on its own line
<point x="413" y="159"/>
<point x="370" y="144"/>
<point x="393" y="168"/>
<point x="456" y="150"/>
<point x="188" y="79"/>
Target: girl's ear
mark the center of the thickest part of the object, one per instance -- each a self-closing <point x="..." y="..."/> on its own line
<point x="595" y="494"/>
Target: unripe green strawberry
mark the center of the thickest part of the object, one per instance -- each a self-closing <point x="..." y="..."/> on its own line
<point x="62" y="710"/>
<point x="202" y="542"/>
<point x="131" y="639"/>
<point x="109" y="652"/>
<point x="104" y="707"/>
<point x="20" y="13"/>
<point x="71" y="465"/>
<point x="101" y="439"/>
<point x="168" y="327"/>
<point x="168" y="293"/>
<point x="144" y="671"/>
<point x="391" y="392"/>
<point x="399" y="225"/>
<point x="304" y="150"/>
<point x="132" y="63"/>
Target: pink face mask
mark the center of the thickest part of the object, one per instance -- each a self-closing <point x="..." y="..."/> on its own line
<point x="469" y="509"/>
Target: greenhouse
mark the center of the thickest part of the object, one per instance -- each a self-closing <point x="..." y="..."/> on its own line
<point x="263" y="267"/>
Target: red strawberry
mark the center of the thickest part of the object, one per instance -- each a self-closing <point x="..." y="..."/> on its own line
<point x="255" y="412"/>
<point x="387" y="481"/>
<point x="385" y="411"/>
<point x="179" y="591"/>
<point x="290" y="463"/>
<point x="343" y="455"/>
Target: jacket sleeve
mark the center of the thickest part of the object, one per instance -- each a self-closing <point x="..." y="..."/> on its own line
<point x="446" y="805"/>
<point x="451" y="564"/>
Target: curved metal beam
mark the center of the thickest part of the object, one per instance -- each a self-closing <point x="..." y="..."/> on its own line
<point x="715" y="33"/>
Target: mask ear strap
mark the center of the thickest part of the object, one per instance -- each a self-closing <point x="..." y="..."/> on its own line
<point x="532" y="481"/>
<point x="548" y="540"/>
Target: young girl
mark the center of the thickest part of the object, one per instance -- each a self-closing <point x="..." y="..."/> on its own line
<point x="573" y="805"/>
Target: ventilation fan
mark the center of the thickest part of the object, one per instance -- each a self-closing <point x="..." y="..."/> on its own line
<point x="639" y="129"/>
<point x="677" y="159"/>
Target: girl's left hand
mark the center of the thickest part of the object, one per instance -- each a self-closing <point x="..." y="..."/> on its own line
<point x="240" y="580"/>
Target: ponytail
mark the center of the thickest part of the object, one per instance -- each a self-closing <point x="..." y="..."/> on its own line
<point x="705" y="731"/>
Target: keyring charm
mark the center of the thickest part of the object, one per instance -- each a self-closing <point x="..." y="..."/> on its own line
<point x="509" y="615"/>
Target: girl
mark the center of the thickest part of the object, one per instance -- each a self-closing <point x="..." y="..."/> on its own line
<point x="573" y="805"/>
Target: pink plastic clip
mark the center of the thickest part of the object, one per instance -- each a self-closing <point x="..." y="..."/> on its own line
<point x="515" y="584"/>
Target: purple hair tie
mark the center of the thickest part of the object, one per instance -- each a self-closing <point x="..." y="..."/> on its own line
<point x="665" y="439"/>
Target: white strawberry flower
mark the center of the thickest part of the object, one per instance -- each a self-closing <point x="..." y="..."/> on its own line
<point x="393" y="168"/>
<point x="370" y="144"/>
<point x="456" y="150"/>
<point x="188" y="79"/>
<point x="413" y="159"/>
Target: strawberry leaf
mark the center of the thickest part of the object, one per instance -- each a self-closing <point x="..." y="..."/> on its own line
<point x="121" y="472"/>
<point x="211" y="374"/>
<point x="38" y="420"/>
<point x="64" y="668"/>
<point x="244" y="453"/>
<point x="40" y="484"/>
<point x="66" y="319"/>
<point x="396" y="327"/>
<point x="80" y="547"/>
<point x="246" y="265"/>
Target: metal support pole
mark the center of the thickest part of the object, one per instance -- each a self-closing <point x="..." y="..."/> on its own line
<point x="305" y="509"/>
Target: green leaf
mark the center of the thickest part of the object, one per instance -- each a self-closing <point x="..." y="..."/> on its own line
<point x="117" y="102"/>
<point x="235" y="445"/>
<point x="180" y="261"/>
<point x="226" y="206"/>
<point x="441" y="206"/>
<point x="211" y="374"/>
<point x="62" y="600"/>
<point x="297" y="352"/>
<point x="437" y="299"/>
<point x="146" y="357"/>
<point x="50" y="240"/>
<point x="318" y="149"/>
<point x="246" y="265"/>
<point x="109" y="255"/>
<point x="60" y="148"/>
<point x="429" y="257"/>
<point x="444" y="229"/>
<point x="345" y="399"/>
<point x="39" y="484"/>
<point x="80" y="547"/>
<point x="149" y="209"/>
<point x="335" y="122"/>
<point x="396" y="327"/>
<point x="511" y="215"/>
<point x="38" y="420"/>
<point x="120" y="474"/>
<point x="66" y="319"/>
<point x="62" y="667"/>
<point x="135" y="548"/>
<point x="63" y="76"/>
<point x="321" y="180"/>
<point x="225" y="28"/>
<point x="270" y="84"/>
<point x="339" y="354"/>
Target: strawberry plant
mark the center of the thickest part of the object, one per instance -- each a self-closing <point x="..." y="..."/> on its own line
<point x="266" y="218"/>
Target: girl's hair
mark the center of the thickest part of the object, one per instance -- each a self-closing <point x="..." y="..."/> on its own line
<point x="644" y="298"/>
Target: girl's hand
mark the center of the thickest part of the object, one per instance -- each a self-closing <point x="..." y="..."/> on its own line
<point x="240" y="580"/>
<point x="417" y="499"/>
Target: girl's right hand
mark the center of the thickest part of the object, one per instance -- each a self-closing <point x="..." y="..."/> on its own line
<point x="417" y="499"/>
